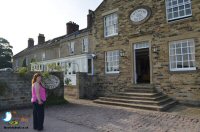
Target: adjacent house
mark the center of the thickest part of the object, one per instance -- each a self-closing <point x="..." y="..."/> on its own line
<point x="70" y="53"/>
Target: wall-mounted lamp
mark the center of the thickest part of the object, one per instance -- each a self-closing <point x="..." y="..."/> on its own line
<point x="122" y="53"/>
<point x="155" y="49"/>
<point x="94" y="56"/>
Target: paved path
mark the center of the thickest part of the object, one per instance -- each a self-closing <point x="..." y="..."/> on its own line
<point x="85" y="116"/>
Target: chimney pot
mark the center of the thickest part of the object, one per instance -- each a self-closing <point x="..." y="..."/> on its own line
<point x="41" y="39"/>
<point x="30" y="43"/>
<point x="90" y="19"/>
<point x="71" y="27"/>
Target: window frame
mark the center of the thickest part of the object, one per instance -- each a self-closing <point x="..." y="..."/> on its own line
<point x="178" y="5"/>
<point x="43" y="56"/>
<point x="175" y="55"/>
<point x="70" y="47"/>
<point x="111" y="72"/>
<point x="117" y="25"/>
<point x="17" y="63"/>
<point x="86" y="46"/>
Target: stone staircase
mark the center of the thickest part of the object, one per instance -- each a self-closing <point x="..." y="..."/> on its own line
<point x="140" y="96"/>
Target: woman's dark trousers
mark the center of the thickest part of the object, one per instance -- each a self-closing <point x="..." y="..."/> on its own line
<point x="38" y="115"/>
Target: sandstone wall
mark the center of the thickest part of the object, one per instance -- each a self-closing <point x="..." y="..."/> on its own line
<point x="183" y="86"/>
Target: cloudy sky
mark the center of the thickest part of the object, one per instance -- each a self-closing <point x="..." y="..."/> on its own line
<point x="23" y="19"/>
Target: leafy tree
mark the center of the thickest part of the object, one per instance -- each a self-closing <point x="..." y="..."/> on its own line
<point x="5" y="53"/>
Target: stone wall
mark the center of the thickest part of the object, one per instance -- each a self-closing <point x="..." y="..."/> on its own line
<point x="182" y="86"/>
<point x="15" y="90"/>
<point x="71" y="91"/>
<point x="87" y="86"/>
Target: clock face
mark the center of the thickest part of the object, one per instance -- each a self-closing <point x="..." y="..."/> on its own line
<point x="140" y="14"/>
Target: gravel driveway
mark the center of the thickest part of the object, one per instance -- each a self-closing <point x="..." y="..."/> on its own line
<point x="85" y="116"/>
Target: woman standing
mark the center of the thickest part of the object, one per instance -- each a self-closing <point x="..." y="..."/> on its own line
<point x="38" y="100"/>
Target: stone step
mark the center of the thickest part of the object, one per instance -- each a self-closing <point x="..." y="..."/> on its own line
<point x="146" y="86"/>
<point x="133" y="94"/>
<point x="140" y="106"/>
<point x="131" y="101"/>
<point x="141" y="90"/>
<point x="169" y="105"/>
<point x="139" y="98"/>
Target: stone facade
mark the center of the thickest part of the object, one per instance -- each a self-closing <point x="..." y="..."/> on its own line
<point x="158" y="32"/>
<point x="54" y="49"/>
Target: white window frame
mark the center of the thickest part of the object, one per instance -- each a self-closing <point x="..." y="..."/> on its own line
<point x="85" y="45"/>
<point x="178" y="6"/>
<point x="112" y="52"/>
<point x="43" y="56"/>
<point x="71" y="48"/>
<point x="113" y="25"/>
<point x="191" y="45"/>
<point x="26" y="61"/>
<point x="17" y="63"/>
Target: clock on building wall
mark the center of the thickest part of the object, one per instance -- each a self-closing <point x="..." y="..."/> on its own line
<point x="140" y="14"/>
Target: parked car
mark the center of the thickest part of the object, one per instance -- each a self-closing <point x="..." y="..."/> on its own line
<point x="7" y="69"/>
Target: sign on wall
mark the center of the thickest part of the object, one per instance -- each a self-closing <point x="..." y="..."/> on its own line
<point x="51" y="82"/>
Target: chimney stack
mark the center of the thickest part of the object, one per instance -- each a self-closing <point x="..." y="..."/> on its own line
<point x="30" y="43"/>
<point x="72" y="27"/>
<point x="41" y="39"/>
<point x="90" y="19"/>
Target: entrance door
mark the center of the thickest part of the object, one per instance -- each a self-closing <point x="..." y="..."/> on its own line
<point x="142" y="64"/>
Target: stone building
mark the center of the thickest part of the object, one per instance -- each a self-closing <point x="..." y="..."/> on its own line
<point x="153" y="42"/>
<point x="72" y="52"/>
<point x="138" y="45"/>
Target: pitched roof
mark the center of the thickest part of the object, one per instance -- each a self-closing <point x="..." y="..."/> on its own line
<point x="49" y="43"/>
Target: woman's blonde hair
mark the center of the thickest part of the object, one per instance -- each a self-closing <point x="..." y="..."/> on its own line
<point x="35" y="77"/>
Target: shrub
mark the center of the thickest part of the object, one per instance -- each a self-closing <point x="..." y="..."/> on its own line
<point x="45" y="74"/>
<point x="67" y="81"/>
<point x="22" y="71"/>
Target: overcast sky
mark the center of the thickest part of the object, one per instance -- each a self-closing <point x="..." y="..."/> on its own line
<point x="23" y="19"/>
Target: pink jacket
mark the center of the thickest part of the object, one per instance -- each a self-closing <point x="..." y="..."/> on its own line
<point x="42" y="93"/>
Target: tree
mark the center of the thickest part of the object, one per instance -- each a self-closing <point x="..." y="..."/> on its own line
<point x="5" y="53"/>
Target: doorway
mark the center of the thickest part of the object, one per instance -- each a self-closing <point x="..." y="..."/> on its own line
<point x="142" y="64"/>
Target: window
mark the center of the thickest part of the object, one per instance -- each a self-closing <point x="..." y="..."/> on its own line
<point x="71" y="47"/>
<point x="112" y="61"/>
<point x="111" y="25"/>
<point x="182" y="55"/>
<point x="176" y="9"/>
<point x="90" y="66"/>
<point x="26" y="58"/>
<point x="85" y="45"/>
<point x="17" y="63"/>
<point x="43" y="56"/>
